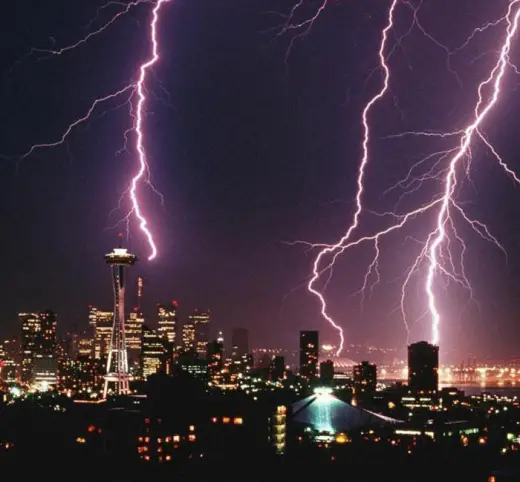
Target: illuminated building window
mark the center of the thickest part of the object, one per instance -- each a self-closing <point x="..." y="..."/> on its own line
<point x="214" y="419"/>
<point x="226" y="419"/>
<point x="191" y="437"/>
<point x="176" y="438"/>
<point x="91" y="428"/>
<point x="192" y="428"/>
<point x="238" y="420"/>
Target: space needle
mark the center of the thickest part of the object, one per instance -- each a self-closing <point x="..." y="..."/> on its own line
<point x="117" y="366"/>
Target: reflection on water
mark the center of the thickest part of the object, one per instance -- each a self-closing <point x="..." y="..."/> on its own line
<point x="476" y="388"/>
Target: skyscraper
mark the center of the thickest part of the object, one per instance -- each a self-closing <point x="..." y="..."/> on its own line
<point x="134" y="333"/>
<point x="215" y="357"/>
<point x="30" y="326"/>
<point x="201" y="321"/>
<point x="309" y="345"/>
<point x="117" y="366"/>
<point x="101" y="322"/>
<point x="326" y="371"/>
<point x="152" y="353"/>
<point x="188" y="337"/>
<point x="423" y="367"/>
<point x="38" y="345"/>
<point x="239" y="343"/>
<point x="47" y="336"/>
<point x="365" y="378"/>
<point x="167" y="321"/>
<point x="277" y="368"/>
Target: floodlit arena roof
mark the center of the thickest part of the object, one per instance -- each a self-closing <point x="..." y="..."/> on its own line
<point x="324" y="412"/>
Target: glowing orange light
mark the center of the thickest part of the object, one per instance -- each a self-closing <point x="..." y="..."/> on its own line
<point x="238" y="420"/>
<point x="214" y="419"/>
<point x="192" y="428"/>
<point x="91" y="428"/>
<point x="226" y="419"/>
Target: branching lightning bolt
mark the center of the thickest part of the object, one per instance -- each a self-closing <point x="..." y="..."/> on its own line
<point x="443" y="167"/>
<point x="133" y="89"/>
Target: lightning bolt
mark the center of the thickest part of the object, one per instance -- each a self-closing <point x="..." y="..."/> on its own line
<point x="338" y="248"/>
<point x="133" y="89"/>
<point x="444" y="167"/>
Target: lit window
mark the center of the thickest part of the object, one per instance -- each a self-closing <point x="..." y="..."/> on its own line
<point x="176" y="438"/>
<point x="226" y="419"/>
<point x="238" y="420"/>
<point x="191" y="438"/>
<point x="214" y="419"/>
<point x="192" y="428"/>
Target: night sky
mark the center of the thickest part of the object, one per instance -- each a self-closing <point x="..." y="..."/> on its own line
<point x="250" y="152"/>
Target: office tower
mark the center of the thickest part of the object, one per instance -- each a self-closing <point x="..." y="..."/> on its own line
<point x="423" y="367"/>
<point x="47" y="335"/>
<point x="326" y="371"/>
<point x="101" y="323"/>
<point x="201" y="322"/>
<point x="117" y="366"/>
<point x="167" y="321"/>
<point x="239" y="343"/>
<point x="84" y="347"/>
<point x="188" y="337"/>
<point x="277" y="368"/>
<point x="152" y="353"/>
<point x="45" y="369"/>
<point x="215" y="356"/>
<point x="309" y="345"/>
<point x="7" y="363"/>
<point x="134" y="333"/>
<point x="38" y="345"/>
<point x="365" y="378"/>
<point x="30" y="326"/>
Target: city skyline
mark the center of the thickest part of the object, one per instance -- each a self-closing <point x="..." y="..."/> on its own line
<point x="237" y="189"/>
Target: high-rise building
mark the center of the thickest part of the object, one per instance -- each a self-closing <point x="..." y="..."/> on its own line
<point x="84" y="347"/>
<point x="134" y="333"/>
<point x="101" y="322"/>
<point x="326" y="371"/>
<point x="423" y="367"/>
<point x="38" y="345"/>
<point x="188" y="337"/>
<point x="365" y="378"/>
<point x="7" y="363"/>
<point x="277" y="368"/>
<point x="201" y="321"/>
<point x="45" y="368"/>
<point x="47" y="335"/>
<point x="117" y="365"/>
<point x="239" y="343"/>
<point x="215" y="357"/>
<point x="30" y="326"/>
<point x="152" y="353"/>
<point x="309" y="346"/>
<point x="167" y="321"/>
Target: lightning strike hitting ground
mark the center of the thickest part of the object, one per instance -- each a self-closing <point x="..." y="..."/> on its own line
<point x="132" y="89"/>
<point x="445" y="166"/>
